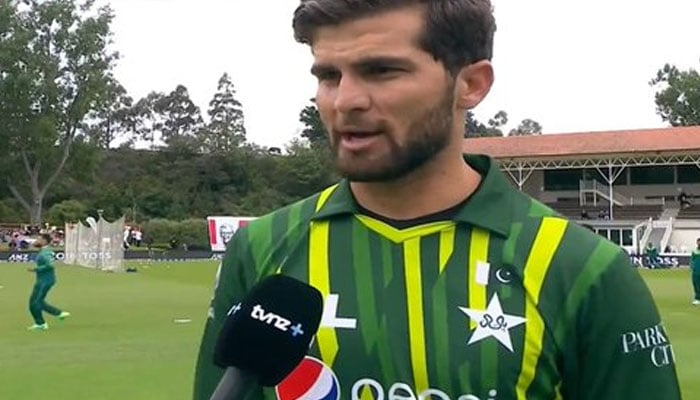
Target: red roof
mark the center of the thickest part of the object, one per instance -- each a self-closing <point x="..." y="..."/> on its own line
<point x="682" y="140"/>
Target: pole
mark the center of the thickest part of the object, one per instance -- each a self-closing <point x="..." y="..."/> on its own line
<point x="99" y="240"/>
<point x="610" y="188"/>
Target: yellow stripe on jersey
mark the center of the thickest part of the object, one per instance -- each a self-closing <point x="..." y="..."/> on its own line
<point x="478" y="252"/>
<point x="414" y="302"/>
<point x="319" y="277"/>
<point x="402" y="235"/>
<point x="557" y="394"/>
<point x="546" y="243"/>
<point x="447" y="245"/>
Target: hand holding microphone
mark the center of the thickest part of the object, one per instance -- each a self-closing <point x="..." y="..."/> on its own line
<point x="266" y="335"/>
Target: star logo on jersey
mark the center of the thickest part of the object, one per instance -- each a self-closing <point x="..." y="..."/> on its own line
<point x="492" y="322"/>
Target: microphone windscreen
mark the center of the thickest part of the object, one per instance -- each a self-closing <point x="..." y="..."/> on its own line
<point x="270" y="331"/>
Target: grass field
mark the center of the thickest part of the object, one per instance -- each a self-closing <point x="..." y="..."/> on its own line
<point x="122" y="341"/>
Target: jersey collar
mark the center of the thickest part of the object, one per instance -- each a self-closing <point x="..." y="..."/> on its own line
<point x="490" y="207"/>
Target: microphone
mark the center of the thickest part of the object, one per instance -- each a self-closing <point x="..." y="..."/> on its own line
<point x="266" y="336"/>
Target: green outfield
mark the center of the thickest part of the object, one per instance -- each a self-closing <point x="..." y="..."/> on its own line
<point x="130" y="338"/>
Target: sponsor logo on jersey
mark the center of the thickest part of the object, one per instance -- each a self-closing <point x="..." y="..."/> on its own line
<point x="311" y="380"/>
<point x="367" y="388"/>
<point x="652" y="339"/>
<point x="492" y="322"/>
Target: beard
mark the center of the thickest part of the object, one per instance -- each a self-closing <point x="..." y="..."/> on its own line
<point x="425" y="138"/>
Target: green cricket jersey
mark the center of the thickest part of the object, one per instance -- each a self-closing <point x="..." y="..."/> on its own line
<point x="44" y="265"/>
<point x="695" y="261"/>
<point x="503" y="301"/>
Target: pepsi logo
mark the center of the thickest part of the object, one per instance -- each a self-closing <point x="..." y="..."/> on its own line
<point x="311" y="380"/>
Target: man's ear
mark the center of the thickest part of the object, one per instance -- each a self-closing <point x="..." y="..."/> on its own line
<point x="473" y="83"/>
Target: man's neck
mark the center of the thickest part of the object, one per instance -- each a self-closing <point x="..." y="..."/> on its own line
<point x="434" y="187"/>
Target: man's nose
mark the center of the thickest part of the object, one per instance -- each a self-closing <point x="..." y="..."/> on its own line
<point x="351" y="95"/>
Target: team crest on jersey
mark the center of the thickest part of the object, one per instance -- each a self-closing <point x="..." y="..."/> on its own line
<point x="493" y="322"/>
<point x="311" y="380"/>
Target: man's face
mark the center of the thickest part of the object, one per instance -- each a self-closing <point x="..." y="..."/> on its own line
<point x="387" y="104"/>
<point x="226" y="231"/>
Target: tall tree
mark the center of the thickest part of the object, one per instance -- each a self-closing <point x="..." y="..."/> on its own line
<point x="677" y="95"/>
<point x="226" y="129"/>
<point x="182" y="119"/>
<point x="474" y="128"/>
<point x="313" y="131"/>
<point x="527" y="127"/>
<point x="115" y="120"/>
<point x="147" y="122"/>
<point x="54" y="68"/>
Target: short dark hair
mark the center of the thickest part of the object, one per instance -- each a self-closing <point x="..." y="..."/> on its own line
<point x="47" y="238"/>
<point x="457" y="32"/>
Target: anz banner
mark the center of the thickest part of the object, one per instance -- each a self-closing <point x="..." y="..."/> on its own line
<point x="663" y="261"/>
<point x="171" y="256"/>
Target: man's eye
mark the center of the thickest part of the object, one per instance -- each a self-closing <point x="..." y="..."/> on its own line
<point x="381" y="70"/>
<point x="328" y="76"/>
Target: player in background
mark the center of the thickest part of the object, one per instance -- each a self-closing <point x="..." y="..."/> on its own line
<point x="45" y="280"/>
<point x="695" y="272"/>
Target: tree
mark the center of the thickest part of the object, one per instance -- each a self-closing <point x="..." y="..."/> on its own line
<point x="114" y="120"/>
<point x="66" y="211"/>
<point x="474" y="128"/>
<point x="147" y="123"/>
<point x="677" y="95"/>
<point x="182" y="119"/>
<point x="527" y="127"/>
<point x="55" y="66"/>
<point x="313" y="131"/>
<point x="226" y="129"/>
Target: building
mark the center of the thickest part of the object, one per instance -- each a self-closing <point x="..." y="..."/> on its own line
<point x="626" y="185"/>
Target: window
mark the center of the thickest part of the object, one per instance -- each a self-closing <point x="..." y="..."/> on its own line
<point x="562" y="179"/>
<point x="652" y="175"/>
<point x="592" y="173"/>
<point x="688" y="174"/>
<point x="615" y="236"/>
<point x="627" y="237"/>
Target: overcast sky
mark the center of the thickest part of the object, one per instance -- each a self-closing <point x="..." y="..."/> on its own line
<point x="572" y="65"/>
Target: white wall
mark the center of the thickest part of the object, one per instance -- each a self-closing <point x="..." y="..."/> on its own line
<point x="683" y="239"/>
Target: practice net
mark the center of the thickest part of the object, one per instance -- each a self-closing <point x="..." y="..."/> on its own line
<point x="95" y="245"/>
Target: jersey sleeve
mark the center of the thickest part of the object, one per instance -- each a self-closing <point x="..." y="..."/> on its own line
<point x="622" y="349"/>
<point x="233" y="279"/>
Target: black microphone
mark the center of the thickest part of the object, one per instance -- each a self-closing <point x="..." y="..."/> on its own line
<point x="266" y="335"/>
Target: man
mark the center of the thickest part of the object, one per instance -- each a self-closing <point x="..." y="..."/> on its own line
<point x="45" y="280"/>
<point x="440" y="280"/>
<point x="683" y="199"/>
<point x="226" y="232"/>
<point x="695" y="271"/>
<point x="652" y="255"/>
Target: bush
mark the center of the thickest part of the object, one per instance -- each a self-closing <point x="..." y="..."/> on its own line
<point x="192" y="232"/>
<point x="10" y="211"/>
<point x="159" y="230"/>
<point x="66" y="211"/>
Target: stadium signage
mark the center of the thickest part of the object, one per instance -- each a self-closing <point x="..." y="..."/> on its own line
<point x="222" y="229"/>
<point x="20" y="257"/>
<point x="663" y="261"/>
